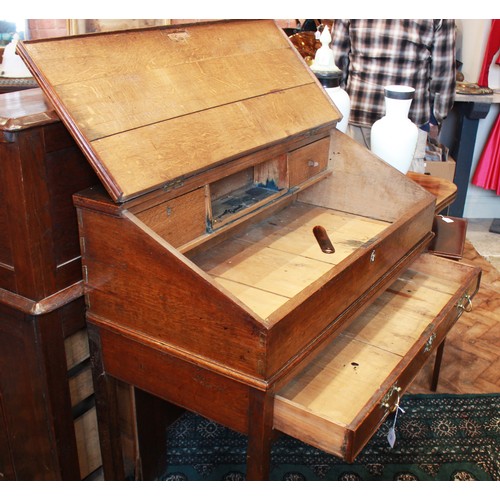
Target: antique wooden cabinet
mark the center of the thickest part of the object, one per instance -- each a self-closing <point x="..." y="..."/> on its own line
<point x="237" y="234"/>
<point x="47" y="417"/>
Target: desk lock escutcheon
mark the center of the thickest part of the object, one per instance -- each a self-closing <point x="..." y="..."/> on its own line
<point x="430" y="341"/>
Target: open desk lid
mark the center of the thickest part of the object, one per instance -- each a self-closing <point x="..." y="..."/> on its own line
<point x="152" y="106"/>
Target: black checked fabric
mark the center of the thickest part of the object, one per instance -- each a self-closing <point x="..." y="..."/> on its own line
<point x="373" y="53"/>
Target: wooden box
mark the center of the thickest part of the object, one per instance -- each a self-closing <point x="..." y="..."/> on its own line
<point x="42" y="309"/>
<point x="443" y="169"/>
<point x="205" y="283"/>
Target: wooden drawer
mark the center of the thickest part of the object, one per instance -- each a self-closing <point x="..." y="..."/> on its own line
<point x="186" y="212"/>
<point x="339" y="401"/>
<point x="308" y="161"/>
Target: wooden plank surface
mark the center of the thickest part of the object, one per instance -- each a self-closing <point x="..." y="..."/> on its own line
<point x="77" y="348"/>
<point x="444" y="191"/>
<point x="281" y="256"/>
<point x="146" y="157"/>
<point x="145" y="95"/>
<point x="390" y="325"/>
<point x="25" y="109"/>
<point x="340" y="383"/>
<point x="151" y="105"/>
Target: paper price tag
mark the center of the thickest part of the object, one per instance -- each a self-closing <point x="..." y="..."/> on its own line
<point x="391" y="435"/>
<point x="446" y="219"/>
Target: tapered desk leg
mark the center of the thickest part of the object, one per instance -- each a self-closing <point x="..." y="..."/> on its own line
<point x="260" y="432"/>
<point x="437" y="366"/>
<point x="107" y="413"/>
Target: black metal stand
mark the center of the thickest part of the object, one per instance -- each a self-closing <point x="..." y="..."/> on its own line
<point x="469" y="114"/>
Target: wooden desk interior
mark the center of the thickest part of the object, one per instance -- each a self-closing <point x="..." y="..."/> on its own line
<point x="272" y="262"/>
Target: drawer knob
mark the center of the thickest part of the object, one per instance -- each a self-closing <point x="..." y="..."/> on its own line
<point x="312" y="163"/>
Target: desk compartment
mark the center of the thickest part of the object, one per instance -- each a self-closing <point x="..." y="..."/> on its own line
<point x="339" y="401"/>
<point x="308" y="161"/>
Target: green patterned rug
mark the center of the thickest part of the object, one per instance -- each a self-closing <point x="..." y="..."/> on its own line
<point x="438" y="438"/>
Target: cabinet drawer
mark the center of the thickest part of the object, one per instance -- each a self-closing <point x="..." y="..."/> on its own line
<point x="339" y="401"/>
<point x="187" y="212"/>
<point x="308" y="161"/>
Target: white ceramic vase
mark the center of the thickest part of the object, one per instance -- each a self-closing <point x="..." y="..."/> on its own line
<point x="331" y="83"/>
<point x="394" y="137"/>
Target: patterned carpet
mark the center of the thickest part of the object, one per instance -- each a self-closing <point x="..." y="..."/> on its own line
<point x="438" y="438"/>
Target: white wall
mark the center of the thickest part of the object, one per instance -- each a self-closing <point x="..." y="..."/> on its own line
<point x="472" y="37"/>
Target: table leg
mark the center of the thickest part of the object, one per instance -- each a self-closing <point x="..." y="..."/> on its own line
<point x="154" y="416"/>
<point x="437" y="366"/>
<point x="107" y="412"/>
<point x="260" y="432"/>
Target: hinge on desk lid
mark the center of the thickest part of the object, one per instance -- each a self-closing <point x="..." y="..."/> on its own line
<point x="176" y="183"/>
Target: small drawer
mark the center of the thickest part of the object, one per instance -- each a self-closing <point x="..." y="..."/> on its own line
<point x="339" y="401"/>
<point x="187" y="212"/>
<point x="308" y="161"/>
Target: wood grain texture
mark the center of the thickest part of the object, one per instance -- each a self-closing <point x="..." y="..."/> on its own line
<point x="134" y="100"/>
<point x="342" y="387"/>
<point x="444" y="190"/>
<point x="41" y="288"/>
<point x="280" y="256"/>
<point x="22" y="110"/>
<point x="144" y="158"/>
<point x="365" y="185"/>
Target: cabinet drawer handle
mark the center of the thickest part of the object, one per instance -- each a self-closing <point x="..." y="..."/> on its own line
<point x="312" y="163"/>
<point x="465" y="304"/>
<point x="385" y="403"/>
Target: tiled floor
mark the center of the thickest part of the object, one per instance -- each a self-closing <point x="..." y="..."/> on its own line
<point x="485" y="242"/>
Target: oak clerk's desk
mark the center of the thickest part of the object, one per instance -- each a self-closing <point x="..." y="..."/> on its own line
<point x="204" y="283"/>
<point x="162" y="412"/>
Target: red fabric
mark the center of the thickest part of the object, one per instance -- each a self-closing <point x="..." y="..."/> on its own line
<point x="491" y="49"/>
<point x="487" y="173"/>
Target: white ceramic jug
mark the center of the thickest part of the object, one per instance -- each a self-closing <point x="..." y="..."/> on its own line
<point x="394" y="137"/>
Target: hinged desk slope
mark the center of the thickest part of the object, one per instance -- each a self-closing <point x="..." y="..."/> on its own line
<point x="205" y="285"/>
<point x="151" y="106"/>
